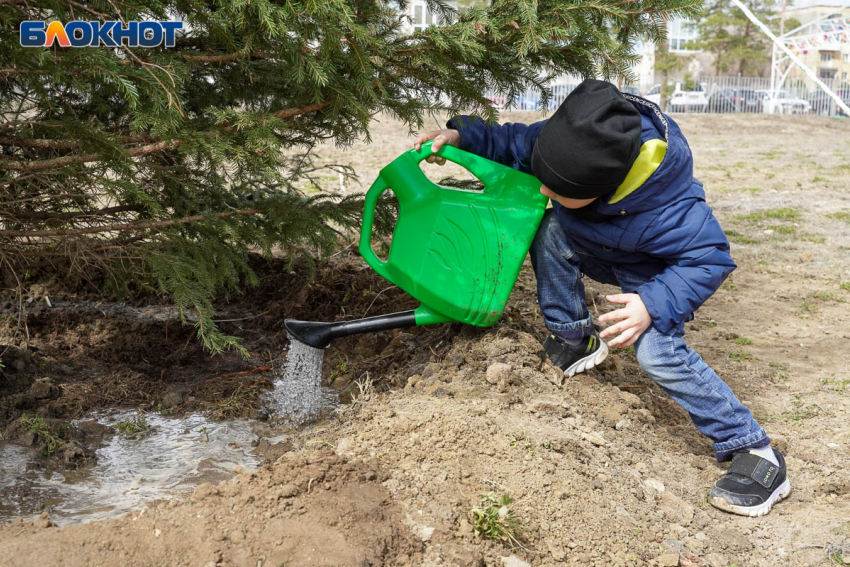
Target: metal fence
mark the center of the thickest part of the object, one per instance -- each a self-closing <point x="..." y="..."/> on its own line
<point x="711" y="94"/>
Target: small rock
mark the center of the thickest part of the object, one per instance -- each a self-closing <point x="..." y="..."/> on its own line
<point x="20" y="365"/>
<point x="669" y="560"/>
<point x="645" y="415"/>
<point x="43" y="521"/>
<point x="74" y="455"/>
<point x="716" y="560"/>
<point x="413" y="380"/>
<point x="555" y="375"/>
<point x="175" y="396"/>
<point x="622" y="424"/>
<point x="514" y="561"/>
<point x="611" y="415"/>
<point x="594" y="438"/>
<point x="654" y="484"/>
<point x="43" y="389"/>
<point x="423" y="532"/>
<point x="498" y="372"/>
<point x="806" y="258"/>
<point x="675" y="509"/>
<point x="237" y="535"/>
<point x="91" y="428"/>
<point x="630" y="399"/>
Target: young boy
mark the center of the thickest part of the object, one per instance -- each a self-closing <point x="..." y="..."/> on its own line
<point x="628" y="212"/>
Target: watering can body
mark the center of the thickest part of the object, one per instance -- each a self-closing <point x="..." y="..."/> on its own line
<point x="458" y="252"/>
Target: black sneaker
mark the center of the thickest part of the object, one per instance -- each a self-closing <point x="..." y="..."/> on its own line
<point x="752" y="486"/>
<point x="573" y="359"/>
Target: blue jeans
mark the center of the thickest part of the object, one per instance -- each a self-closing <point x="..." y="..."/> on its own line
<point x="681" y="372"/>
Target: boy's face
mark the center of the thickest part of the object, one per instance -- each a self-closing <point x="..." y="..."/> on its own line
<point x="565" y="201"/>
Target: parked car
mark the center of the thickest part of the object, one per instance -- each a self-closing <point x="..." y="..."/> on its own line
<point x="781" y="102"/>
<point x="823" y="105"/>
<point x="654" y="95"/>
<point x="687" y="101"/>
<point x="631" y="89"/>
<point x="734" y="100"/>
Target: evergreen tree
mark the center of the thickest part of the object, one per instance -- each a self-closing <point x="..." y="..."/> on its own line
<point x="666" y="63"/>
<point x="164" y="167"/>
<point x="737" y="45"/>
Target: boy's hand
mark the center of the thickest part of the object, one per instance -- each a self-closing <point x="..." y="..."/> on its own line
<point x="635" y="320"/>
<point x="440" y="137"/>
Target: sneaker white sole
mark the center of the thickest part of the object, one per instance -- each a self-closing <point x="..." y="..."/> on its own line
<point x="589" y="361"/>
<point x="753" y="511"/>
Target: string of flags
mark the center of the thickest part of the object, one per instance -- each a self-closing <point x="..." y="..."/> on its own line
<point x="833" y="33"/>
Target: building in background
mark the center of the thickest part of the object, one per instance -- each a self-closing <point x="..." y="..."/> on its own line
<point x="420" y="17"/>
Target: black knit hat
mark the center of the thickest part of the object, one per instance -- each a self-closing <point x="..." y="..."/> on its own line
<point x="588" y="146"/>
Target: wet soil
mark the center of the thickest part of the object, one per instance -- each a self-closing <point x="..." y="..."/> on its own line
<point x="604" y="468"/>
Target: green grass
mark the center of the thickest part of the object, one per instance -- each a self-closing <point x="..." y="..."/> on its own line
<point x="808" y="307"/>
<point x="828" y="296"/>
<point x="138" y="425"/>
<point x="522" y="441"/>
<point x="836" y="384"/>
<point x="340" y="369"/>
<point x="234" y="404"/>
<point x="845" y="216"/>
<point x="50" y="436"/>
<point x="743" y="341"/>
<point x="796" y="415"/>
<point x="819" y="179"/>
<point x="738" y="356"/>
<point x="769" y="214"/>
<point x="808" y="237"/>
<point x="493" y="519"/>
<point x="844" y="285"/>
<point x="782" y="228"/>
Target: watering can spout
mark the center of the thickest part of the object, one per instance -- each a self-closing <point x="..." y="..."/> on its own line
<point x="314" y="333"/>
<point x="318" y="334"/>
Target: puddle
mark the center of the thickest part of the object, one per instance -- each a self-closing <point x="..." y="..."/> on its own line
<point x="170" y="461"/>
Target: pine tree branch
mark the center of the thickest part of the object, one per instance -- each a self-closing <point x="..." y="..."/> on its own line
<point x="132" y="227"/>
<point x="41" y="165"/>
<point x="46" y="143"/>
<point x="39" y="215"/>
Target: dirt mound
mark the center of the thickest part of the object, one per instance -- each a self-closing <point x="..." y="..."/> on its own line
<point x="318" y="509"/>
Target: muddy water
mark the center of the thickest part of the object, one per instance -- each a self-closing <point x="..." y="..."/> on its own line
<point x="171" y="460"/>
<point x="298" y="395"/>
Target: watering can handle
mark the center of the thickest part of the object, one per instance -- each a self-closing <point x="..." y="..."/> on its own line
<point x="365" y="247"/>
<point x="480" y="167"/>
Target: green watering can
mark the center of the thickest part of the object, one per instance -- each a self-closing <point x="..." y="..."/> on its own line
<point x="457" y="251"/>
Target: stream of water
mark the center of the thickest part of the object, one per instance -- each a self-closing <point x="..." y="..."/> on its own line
<point x="298" y="394"/>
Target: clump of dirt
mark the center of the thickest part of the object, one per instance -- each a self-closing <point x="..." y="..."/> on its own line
<point x="309" y="510"/>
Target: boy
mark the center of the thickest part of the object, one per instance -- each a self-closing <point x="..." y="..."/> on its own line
<point x="628" y="212"/>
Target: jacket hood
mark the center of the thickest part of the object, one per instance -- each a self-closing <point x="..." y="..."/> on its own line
<point x="671" y="181"/>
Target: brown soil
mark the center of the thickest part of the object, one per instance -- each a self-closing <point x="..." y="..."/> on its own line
<point x="604" y="468"/>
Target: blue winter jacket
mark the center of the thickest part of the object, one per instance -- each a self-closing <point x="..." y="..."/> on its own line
<point x="663" y="231"/>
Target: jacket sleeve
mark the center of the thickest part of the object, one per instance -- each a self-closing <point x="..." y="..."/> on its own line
<point x="508" y="144"/>
<point x="692" y="242"/>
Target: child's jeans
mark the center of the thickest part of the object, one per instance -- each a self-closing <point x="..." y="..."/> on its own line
<point x="681" y="372"/>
